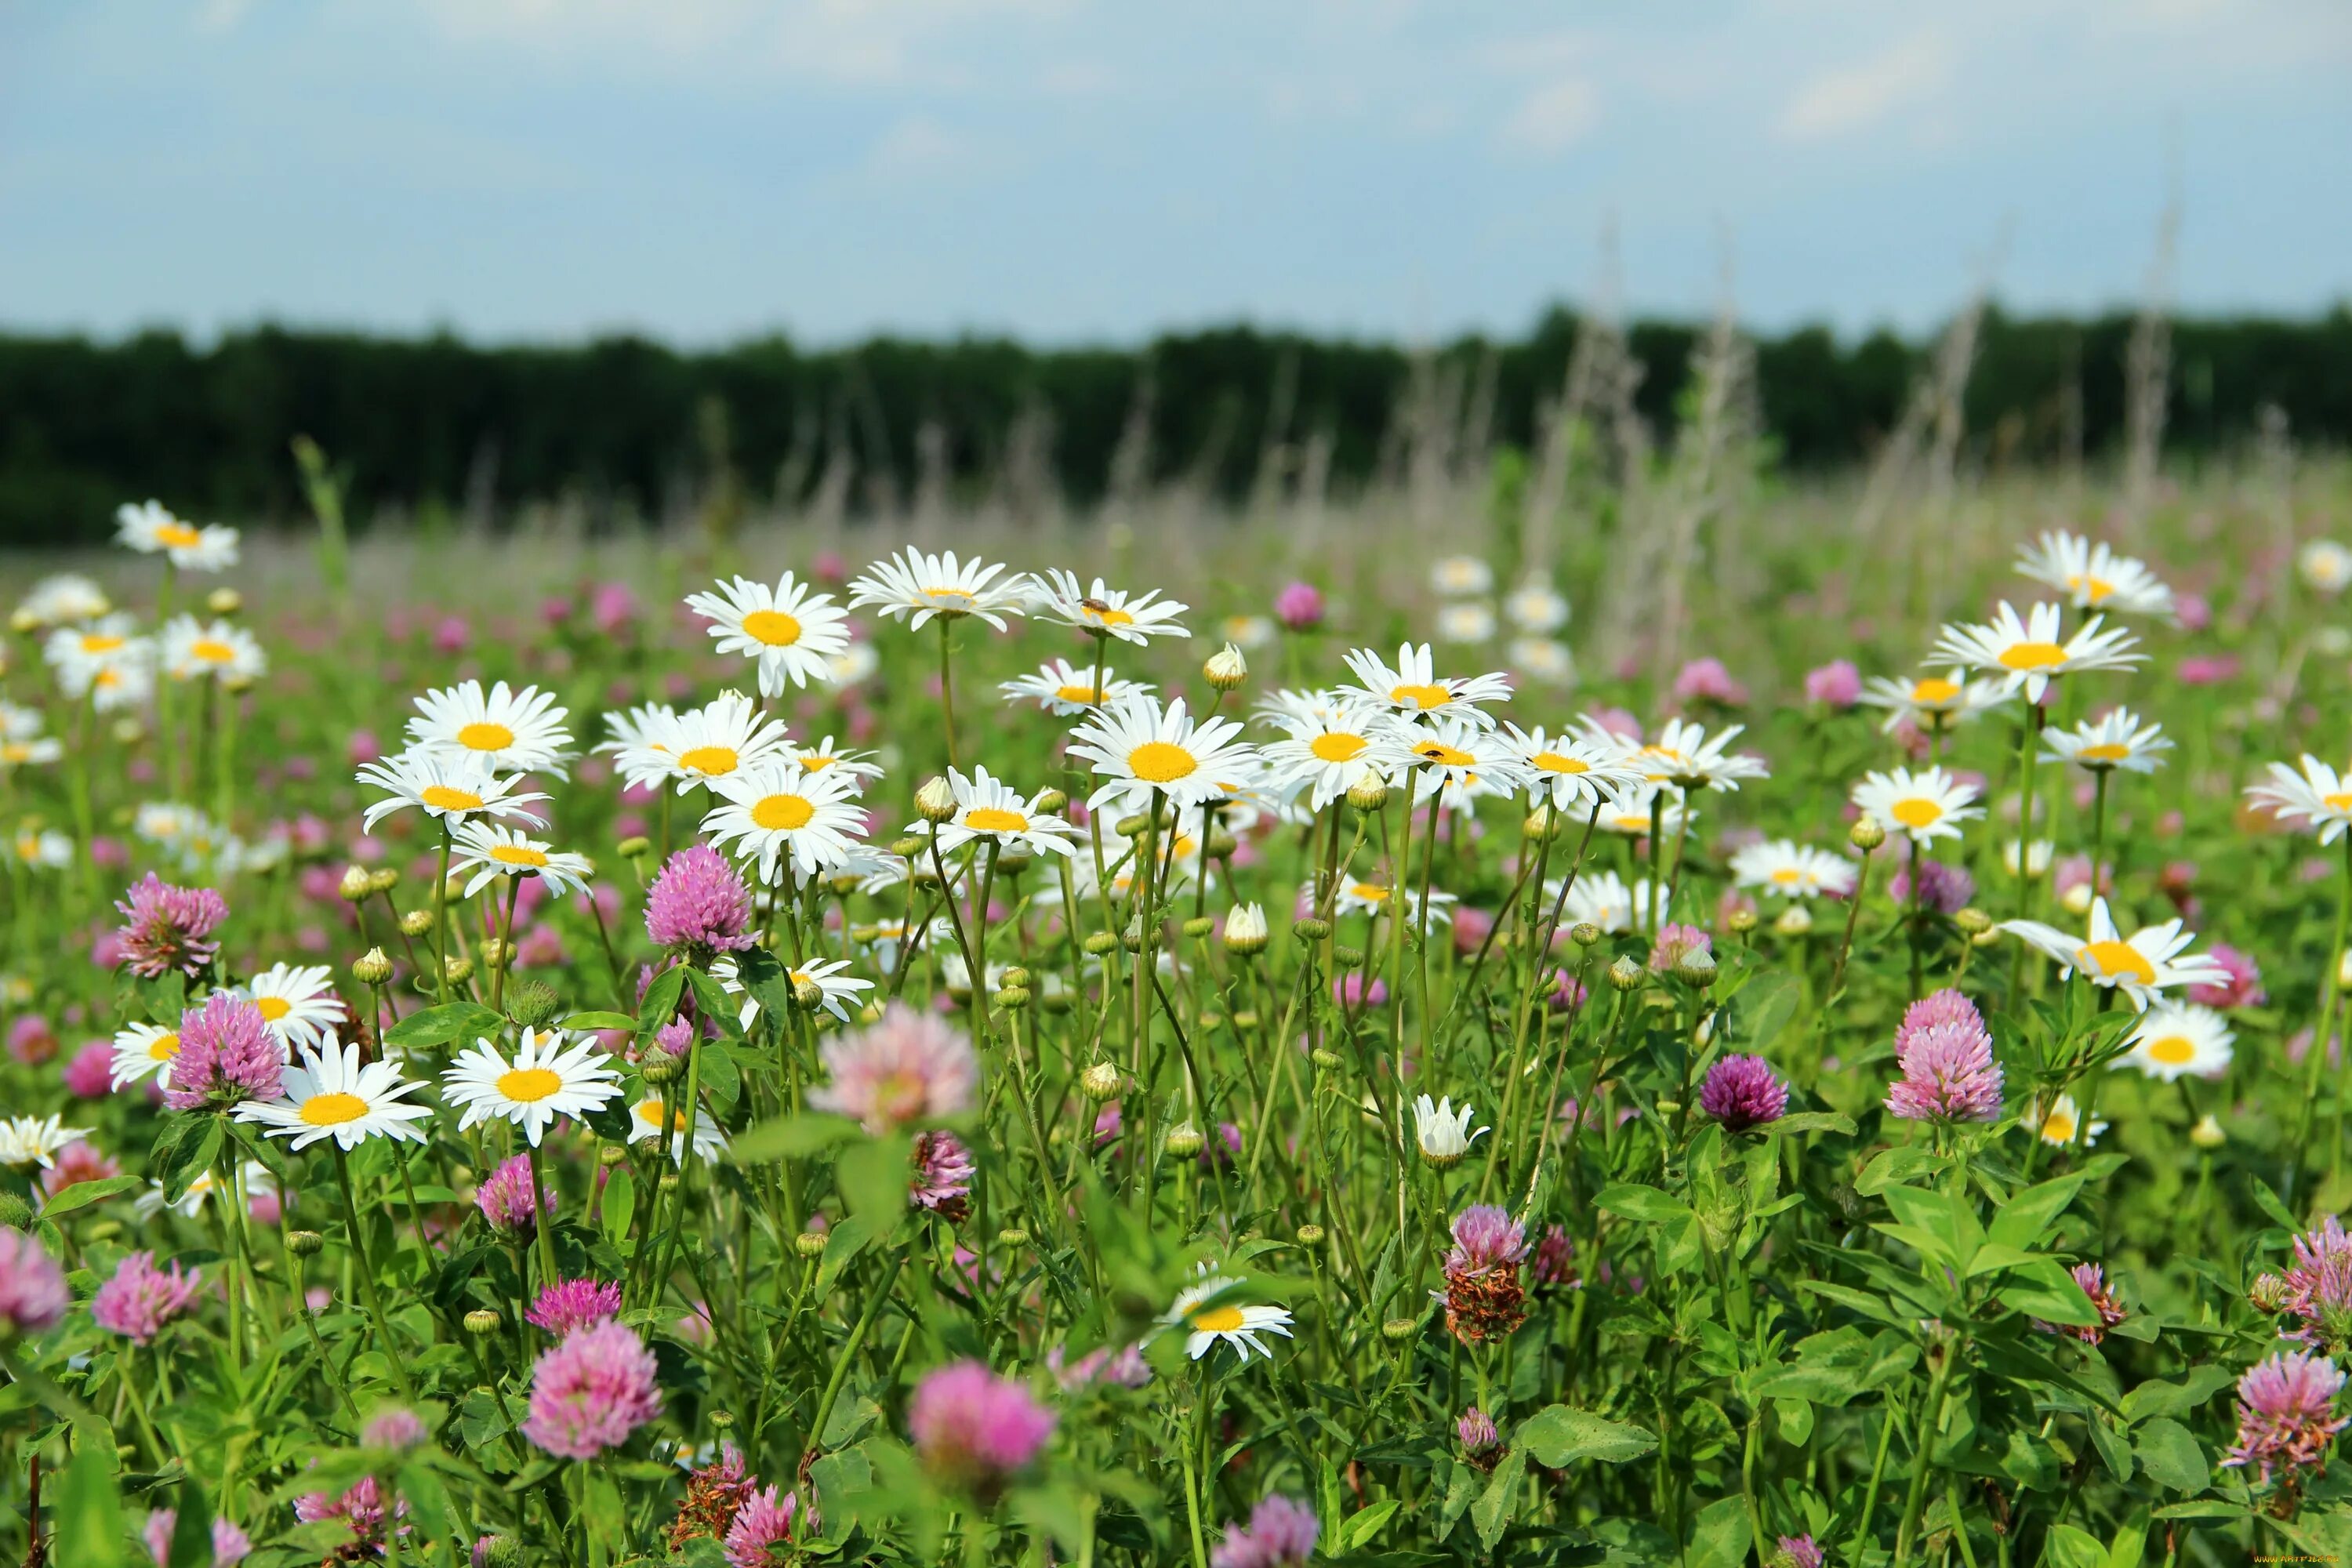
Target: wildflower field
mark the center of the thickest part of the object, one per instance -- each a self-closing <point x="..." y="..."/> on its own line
<point x="1369" y="1035"/>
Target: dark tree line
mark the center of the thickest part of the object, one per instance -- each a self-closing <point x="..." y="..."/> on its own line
<point x="632" y="426"/>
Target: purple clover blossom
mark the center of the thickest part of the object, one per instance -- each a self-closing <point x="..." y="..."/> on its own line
<point x="1942" y="890"/>
<point x="1836" y="685"/>
<point x="1281" y="1533"/>
<point x="1945" y="1053"/>
<point x="165" y="928"/>
<point x="975" y="1428"/>
<point x="1676" y="942"/>
<point x="941" y="1182"/>
<point x="1299" y="607"/>
<point x="1743" y="1092"/>
<point x="1475" y="1431"/>
<point x="32" y="1294"/>
<point x="765" y="1527"/>
<point x="570" y="1304"/>
<point x="394" y="1430"/>
<point x="504" y="1197"/>
<point x="588" y="1394"/>
<point x="230" y="1545"/>
<point x="227" y="1056"/>
<point x="1798" y="1551"/>
<point x="699" y="901"/>
<point x="2286" y="1415"/>
<point x="141" y="1299"/>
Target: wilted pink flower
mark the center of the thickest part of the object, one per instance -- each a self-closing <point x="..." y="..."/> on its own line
<point x="89" y="1074"/>
<point x="230" y="1545"/>
<point x="906" y="1067"/>
<point x="1553" y="1267"/>
<point x="715" y="1494"/>
<point x="1481" y="1443"/>
<point x="2243" y="988"/>
<point x="166" y="928"/>
<point x="1705" y="680"/>
<point x="1742" y="1092"/>
<point x="1836" y="685"/>
<point x="974" y="1429"/>
<point x="765" y="1529"/>
<point x="395" y="1430"/>
<point x="942" y="1176"/>
<point x="2286" y="1415"/>
<point x="1281" y="1534"/>
<point x="1299" y="607"/>
<point x="1484" y="1300"/>
<point x="227" y="1056"/>
<point x="360" y="1508"/>
<point x="141" y="1299"/>
<point x="588" y="1394"/>
<point x="1797" y="1551"/>
<point x="504" y="1197"/>
<point x="699" y="901"/>
<point x="32" y="1294"/>
<point x="570" y="1304"/>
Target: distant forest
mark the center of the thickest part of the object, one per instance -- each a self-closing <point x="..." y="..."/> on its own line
<point x="636" y="429"/>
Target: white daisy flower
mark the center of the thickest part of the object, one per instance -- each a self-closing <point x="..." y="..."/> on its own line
<point x="42" y="849"/>
<point x="59" y="599"/>
<point x="1329" y="753"/>
<point x="1684" y="755"/>
<point x="1365" y="897"/>
<point x="2027" y="654"/>
<point x="1247" y="631"/>
<point x="1289" y="705"/>
<point x="150" y="529"/>
<point x="1443" y="1132"/>
<point x="449" y="788"/>
<point x="1791" y="870"/>
<point x="1566" y="770"/>
<point x="194" y="649"/>
<point x="1104" y="612"/>
<point x="795" y="634"/>
<point x="777" y="808"/>
<point x="724" y="737"/>
<point x="26" y="1141"/>
<point x="1142" y="748"/>
<point x="919" y="587"/>
<point x="1469" y="621"/>
<point x="258" y="1183"/>
<point x="1932" y="702"/>
<point x="1928" y="805"/>
<point x="546" y="1078"/>
<point x="1543" y="659"/>
<point x="1535" y="608"/>
<point x="989" y="809"/>
<point x="1456" y="575"/>
<point x="143" y="1048"/>
<point x="493" y="852"/>
<point x="124" y="685"/>
<point x="2063" y="1121"/>
<point x="1600" y="898"/>
<point x="506" y="729"/>
<point x="2114" y="740"/>
<point x="1210" y="1318"/>
<point x="1066" y="689"/>
<point x="2093" y="577"/>
<point x="333" y="1096"/>
<point x="644" y="727"/>
<point x="853" y="664"/>
<point x="2319" y="797"/>
<point x="2152" y="960"/>
<point x="1628" y="816"/>
<point x="2325" y="566"/>
<point x="831" y="976"/>
<point x="858" y="767"/>
<point x="80" y="654"/>
<point x="1462" y="762"/>
<point x="2037" y="856"/>
<point x="646" y="1119"/>
<point x="1411" y="686"/>
<point x="166" y="822"/>
<point x="298" y="1005"/>
<point x="2177" y="1039"/>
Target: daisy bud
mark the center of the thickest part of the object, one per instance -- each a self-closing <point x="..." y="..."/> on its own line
<point x="2208" y="1133"/>
<point x="383" y="879"/>
<point x="1132" y="939"/>
<point x="1100" y="943"/>
<point x="1327" y="1060"/>
<point x="533" y="1003"/>
<point x="1986" y="937"/>
<point x="492" y="951"/>
<point x="1221" y="845"/>
<point x="453" y="891"/>
<point x="1100" y="1082"/>
<point x="907" y="848"/>
<point x="1311" y="929"/>
<point x="1012" y="861"/>
<point x="611" y="1155"/>
<point x="459" y="968"/>
<point x="24" y="620"/>
<point x="15" y="1212"/>
<point x="809" y="1244"/>
<point x="807" y="994"/>
<point x="1246" y="1021"/>
<point x="669" y="1183"/>
<point x="1398" y="1330"/>
<point x="1625" y="974"/>
<point x="1540" y="825"/>
<point x="936" y="802"/>
<point x="129" y="731"/>
<point x="1347" y="957"/>
<point x="1013" y="1236"/>
<point x="416" y="923"/>
<point x="356" y="884"/>
<point x="481" y="1321"/>
<point x="1584" y="933"/>
<point x="2077" y="901"/>
<point x="1310" y="1235"/>
<point x="1368" y="793"/>
<point x="1972" y="921"/>
<point x="305" y="1243"/>
<point x="843" y="884"/>
<point x="1183" y="1141"/>
<point x="372" y="967"/>
<point x="1226" y="668"/>
<point x="1695" y="968"/>
<point x="660" y="1068"/>
<point x="1742" y="921"/>
<point x="871" y="1013"/>
<point x="1052" y="803"/>
<point x="1866" y="835"/>
<point x="1245" y="930"/>
<point x="1012" y="998"/>
<point x="223" y="601"/>
<point x="1131" y="826"/>
<point x="1794" y="921"/>
<point x="1198" y="927"/>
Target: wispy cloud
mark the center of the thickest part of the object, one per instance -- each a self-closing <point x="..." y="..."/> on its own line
<point x="1554" y="117"/>
<point x="1854" y="98"/>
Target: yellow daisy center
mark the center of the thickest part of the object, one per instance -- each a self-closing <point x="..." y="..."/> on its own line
<point x="100" y="642"/>
<point x="994" y="820"/>
<point x="814" y="765"/>
<point x="709" y="761"/>
<point x="212" y="650"/>
<point x="2032" y="656"/>
<point x="650" y="1112"/>
<point x="1337" y="748"/>
<point x="1553" y="763"/>
<point x="333" y="1109"/>
<point x="962" y="594"/>
<point x="163" y="1048"/>
<point x="2105" y="751"/>
<point x="1084" y="694"/>
<point x="1424" y="697"/>
<point x="272" y="1008"/>
<point x="1915" y="813"/>
<point x="1107" y="616"/>
<point x="1786" y="875"/>
<point x="448" y="797"/>
<point x="773" y="628"/>
<point x="179" y="536"/>
<point x="2173" y="1050"/>
<point x="2092" y="588"/>
<point x="528" y="1086"/>
<point x="2337" y="802"/>
<point x="2117" y="959"/>
<point x="1933" y="688"/>
<point x="1371" y="893"/>
<point x="518" y="855"/>
<point x="1439" y="752"/>
<point x="484" y="736"/>
<point x="1161" y="762"/>
<point x="1219" y="1320"/>
<point x="2059" y="1128"/>
<point x="782" y="813"/>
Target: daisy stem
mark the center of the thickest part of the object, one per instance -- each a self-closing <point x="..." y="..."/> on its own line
<point x="848" y="1353"/>
<point x="546" y="1228"/>
<point x="1657" y="832"/>
<point x="2315" y="1058"/>
<point x="947" y="687"/>
<point x="612" y="959"/>
<point x="2099" y="821"/>
<point x="1918" y="910"/>
<point x="374" y="1292"/>
<point x="684" y="1156"/>
<point x="1845" y="947"/>
<point x="441" y="918"/>
<point x="506" y="946"/>
<point x="225" y="757"/>
<point x="2028" y="754"/>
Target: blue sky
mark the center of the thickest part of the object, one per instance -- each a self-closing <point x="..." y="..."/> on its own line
<point x="1071" y="171"/>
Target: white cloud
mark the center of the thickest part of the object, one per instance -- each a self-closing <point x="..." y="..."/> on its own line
<point x="920" y="147"/>
<point x="1554" y="117"/>
<point x="1853" y="98"/>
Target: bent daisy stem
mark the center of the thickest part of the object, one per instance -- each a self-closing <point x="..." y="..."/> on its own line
<point x="2330" y="992"/>
<point x="373" y="1291"/>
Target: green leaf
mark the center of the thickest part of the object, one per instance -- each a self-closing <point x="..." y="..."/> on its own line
<point x="710" y="998"/>
<point x="2020" y="1221"/>
<point x="1491" y="1514"/>
<point x="1766" y="1003"/>
<point x="186" y="1146"/>
<point x="1895" y="1167"/>
<point x="2071" y="1546"/>
<point x="873" y="1177"/>
<point x="91" y="1531"/>
<point x="2130" y="1542"/>
<point x="843" y="1243"/>
<point x="1815" y="1121"/>
<point x="81" y="1194"/>
<point x="2268" y="1202"/>
<point x="2152" y="1398"/>
<point x="1647" y="1203"/>
<point x="452" y="1021"/>
<point x="793" y="1137"/>
<point x="1719" y="1536"/>
<point x="620" y="1203"/>
<point x="661" y="999"/>
<point x="1364" y="1524"/>
<point x="192" y="1534"/>
<point x="2169" y="1455"/>
<point x="1557" y="1436"/>
<point x="600" y="1021"/>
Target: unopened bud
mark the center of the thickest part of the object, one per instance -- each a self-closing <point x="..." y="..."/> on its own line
<point x="1100" y="1082"/>
<point x="383" y="879"/>
<point x="1541" y="824"/>
<point x="1132" y="939"/>
<point x="669" y="1182"/>
<point x="459" y="968"/>
<point x="305" y="1243"/>
<point x="1312" y="928"/>
<point x="493" y="953"/>
<point x="1369" y="795"/>
<point x="1310" y="1235"/>
<point x="1183" y="1141"/>
<point x="1132" y="824"/>
<point x="15" y="1214"/>
<point x="632" y="848"/>
<point x="1100" y="943"/>
<point x="356" y="884"/>
<point x="807" y="994"/>
<point x="1198" y="927"/>
<point x="416" y="923"/>
<point x="909" y="846"/>
<point x="809" y="1244"/>
<point x="372" y="967"/>
<point x="532" y="1004"/>
<point x="1012" y="998"/>
<point x="1052" y="803"/>
<point x="1396" y="1330"/>
<point x="1013" y="1236"/>
<point x="936" y="801"/>
<point x="1347" y="957"/>
<point x="1866" y="835"/>
<point x="1794" y="921"/>
<point x="1695" y="968"/>
<point x="223" y="601"/>
<point x="2208" y="1133"/>
<point x="1625" y="974"/>
<point x="1226" y="668"/>
<point x="1972" y="921"/>
<point x="1221" y="844"/>
<point x="1245" y="931"/>
<point x="1326" y="1060"/>
<point x="1742" y="921"/>
<point x="611" y="1155"/>
<point x="481" y="1321"/>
